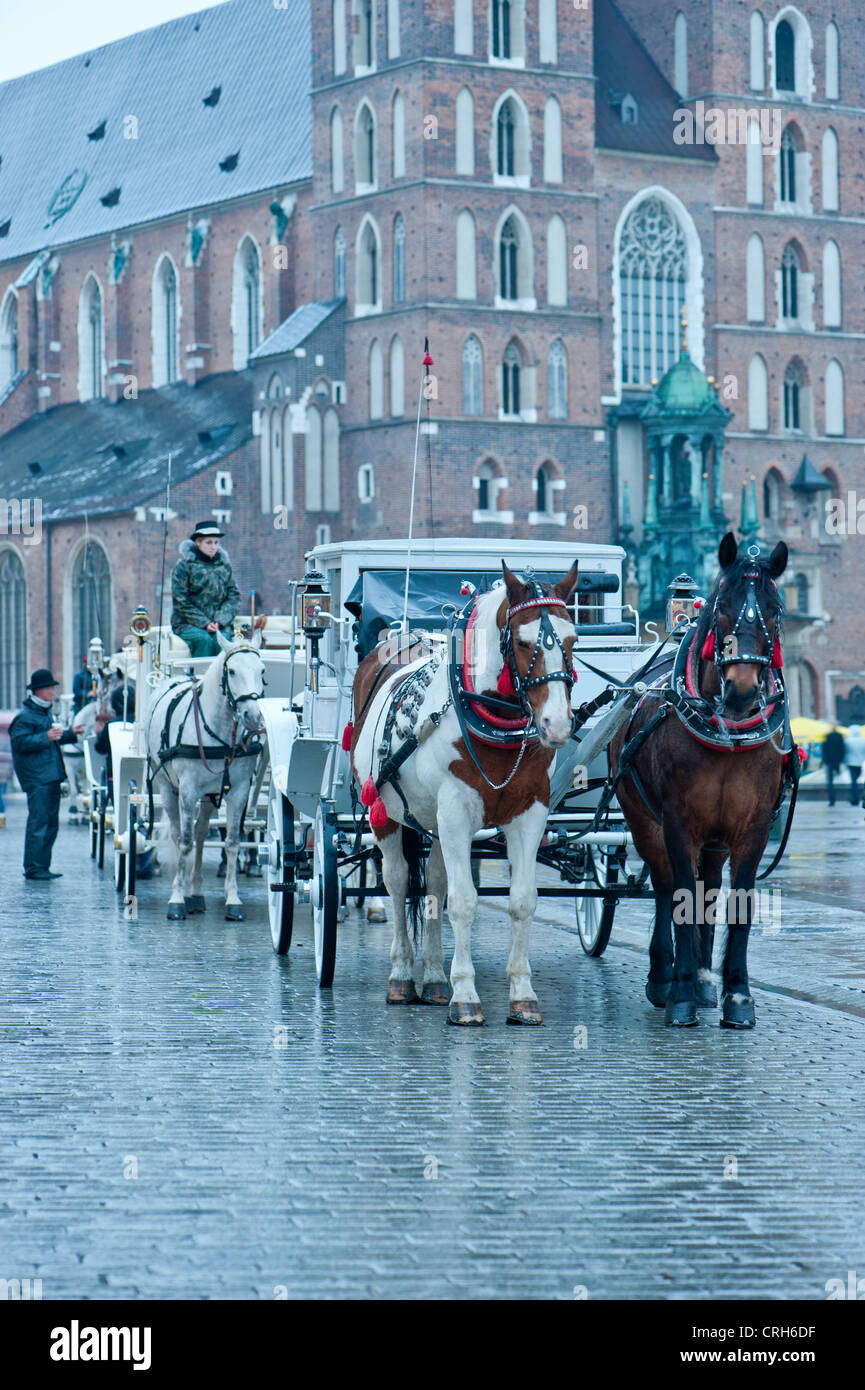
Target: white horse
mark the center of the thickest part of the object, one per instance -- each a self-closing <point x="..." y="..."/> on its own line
<point x="519" y="644"/>
<point x="219" y="730"/>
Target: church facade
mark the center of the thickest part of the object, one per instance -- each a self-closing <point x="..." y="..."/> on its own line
<point x="629" y="232"/>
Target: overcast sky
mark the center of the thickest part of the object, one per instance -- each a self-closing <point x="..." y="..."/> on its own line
<point x="35" y="33"/>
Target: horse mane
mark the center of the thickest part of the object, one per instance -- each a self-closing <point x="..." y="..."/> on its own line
<point x="733" y="574"/>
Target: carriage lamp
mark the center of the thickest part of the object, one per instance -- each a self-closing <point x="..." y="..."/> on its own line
<point x="315" y="605"/>
<point x="683" y="603"/>
<point x="95" y="656"/>
<point x="140" y="624"/>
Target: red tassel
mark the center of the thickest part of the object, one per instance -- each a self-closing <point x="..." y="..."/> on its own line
<point x="347" y="736"/>
<point x="575" y="674"/>
<point x="803" y="756"/>
<point x="427" y="360"/>
<point x="708" y="652"/>
<point x="368" y="792"/>
<point x="505" y="682"/>
<point x="777" y="655"/>
<point x="378" y="814"/>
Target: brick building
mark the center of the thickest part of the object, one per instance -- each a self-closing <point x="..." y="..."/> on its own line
<point x="248" y="221"/>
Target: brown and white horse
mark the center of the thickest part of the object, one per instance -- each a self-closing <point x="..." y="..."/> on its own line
<point x="518" y="644"/>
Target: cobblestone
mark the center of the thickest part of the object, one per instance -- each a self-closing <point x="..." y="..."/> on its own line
<point x="303" y="1166"/>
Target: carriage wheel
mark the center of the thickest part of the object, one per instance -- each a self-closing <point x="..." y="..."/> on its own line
<point x="594" y="916"/>
<point x="325" y="898"/>
<point x="280" y="837"/>
<point x="133" y="849"/>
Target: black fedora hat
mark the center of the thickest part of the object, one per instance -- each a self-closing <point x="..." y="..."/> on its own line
<point x="41" y="678"/>
<point x="206" y="528"/>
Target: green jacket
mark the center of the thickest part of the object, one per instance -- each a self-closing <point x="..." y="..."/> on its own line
<point x="203" y="591"/>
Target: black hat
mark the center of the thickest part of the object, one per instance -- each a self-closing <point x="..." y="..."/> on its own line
<point x="206" y="528"/>
<point x="41" y="678"/>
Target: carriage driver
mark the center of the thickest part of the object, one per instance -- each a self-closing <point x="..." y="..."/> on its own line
<point x="204" y="594"/>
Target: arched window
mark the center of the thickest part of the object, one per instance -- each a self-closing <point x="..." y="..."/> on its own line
<point x="789" y="283"/>
<point x="339" y="55"/>
<point x="511" y="368"/>
<point x="246" y="302"/>
<point x="312" y="463"/>
<point x="339" y="262"/>
<point x="507" y="30"/>
<point x="758" y="52"/>
<point x="548" y="31"/>
<point x="397" y="378"/>
<point x="287" y="459"/>
<point x="398" y="126"/>
<point x="773" y="493"/>
<point x="398" y="260"/>
<point x="831" y="285"/>
<point x="364" y="147"/>
<point x="680" y="54"/>
<point x="366" y="482"/>
<point x="368" y="285"/>
<point x="800" y="588"/>
<point x="271" y="446"/>
<point x="758" y="394"/>
<point x="789" y="151"/>
<point x="165" y="323"/>
<point x="793" y="385"/>
<point x="276" y="460"/>
<point x="90" y="340"/>
<point x="830" y="171"/>
<point x="473" y="377"/>
<point x="8" y="341"/>
<point x="505" y="142"/>
<point x="785" y="57"/>
<point x="465" y="132"/>
<point x="755" y="281"/>
<point x="467" y="275"/>
<point x="653" y="272"/>
<point x="553" y="172"/>
<point x="557" y="261"/>
<point x="13" y="630"/>
<point x="509" y="260"/>
<point x="393" y="28"/>
<point x="834" y="398"/>
<point x="545" y="492"/>
<point x="376" y="381"/>
<point x="91" y="598"/>
<point x="337" y="163"/>
<point x="331" y="462"/>
<point x="833" y="63"/>
<point x="557" y="384"/>
<point x="754" y="164"/>
<point x="463" y="26"/>
<point x="486" y="483"/>
<point x="364" y="38"/>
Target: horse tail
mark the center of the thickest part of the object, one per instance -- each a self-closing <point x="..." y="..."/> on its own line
<point x="412" y="847"/>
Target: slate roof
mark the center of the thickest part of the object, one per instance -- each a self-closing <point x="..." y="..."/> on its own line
<point x="622" y="65"/>
<point x="77" y="446"/>
<point x="297" y="328"/>
<point x="260" y="58"/>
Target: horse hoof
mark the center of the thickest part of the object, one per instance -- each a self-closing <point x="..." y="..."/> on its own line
<point x="235" y="913"/>
<point x="401" y="992"/>
<point x="737" y="1012"/>
<point x="681" y="1013"/>
<point x="467" y="1015"/>
<point x="436" y="992"/>
<point x="194" y="904"/>
<point x="176" y="912"/>
<point x="376" y="914"/>
<point x="707" y="995"/>
<point x="656" y="993"/>
<point x="524" y="1011"/>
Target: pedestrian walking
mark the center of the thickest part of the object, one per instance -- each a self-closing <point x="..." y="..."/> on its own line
<point x="82" y="687"/>
<point x="36" y="738"/>
<point x="204" y="595"/>
<point x="833" y="758"/>
<point x="854" y="757"/>
<point x="6" y="718"/>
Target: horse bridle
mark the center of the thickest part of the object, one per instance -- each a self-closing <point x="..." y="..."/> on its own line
<point x="547" y="638"/>
<point x="235" y="700"/>
<point x="749" y="612"/>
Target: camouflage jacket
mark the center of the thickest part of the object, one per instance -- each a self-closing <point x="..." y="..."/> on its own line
<point x="203" y="591"/>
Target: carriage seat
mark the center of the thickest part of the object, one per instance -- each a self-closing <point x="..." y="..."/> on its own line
<point x="277" y="630"/>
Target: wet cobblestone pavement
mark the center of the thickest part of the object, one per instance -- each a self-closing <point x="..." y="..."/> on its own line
<point x="321" y="1142"/>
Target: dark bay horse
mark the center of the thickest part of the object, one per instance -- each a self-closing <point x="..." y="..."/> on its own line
<point x="695" y="804"/>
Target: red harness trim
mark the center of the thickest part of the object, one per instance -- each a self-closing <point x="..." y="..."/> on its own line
<point x="495" y="719"/>
<point x="732" y="724"/>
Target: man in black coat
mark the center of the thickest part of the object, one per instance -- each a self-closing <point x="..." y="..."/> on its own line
<point x="38" y="763"/>
<point x="834" y="749"/>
